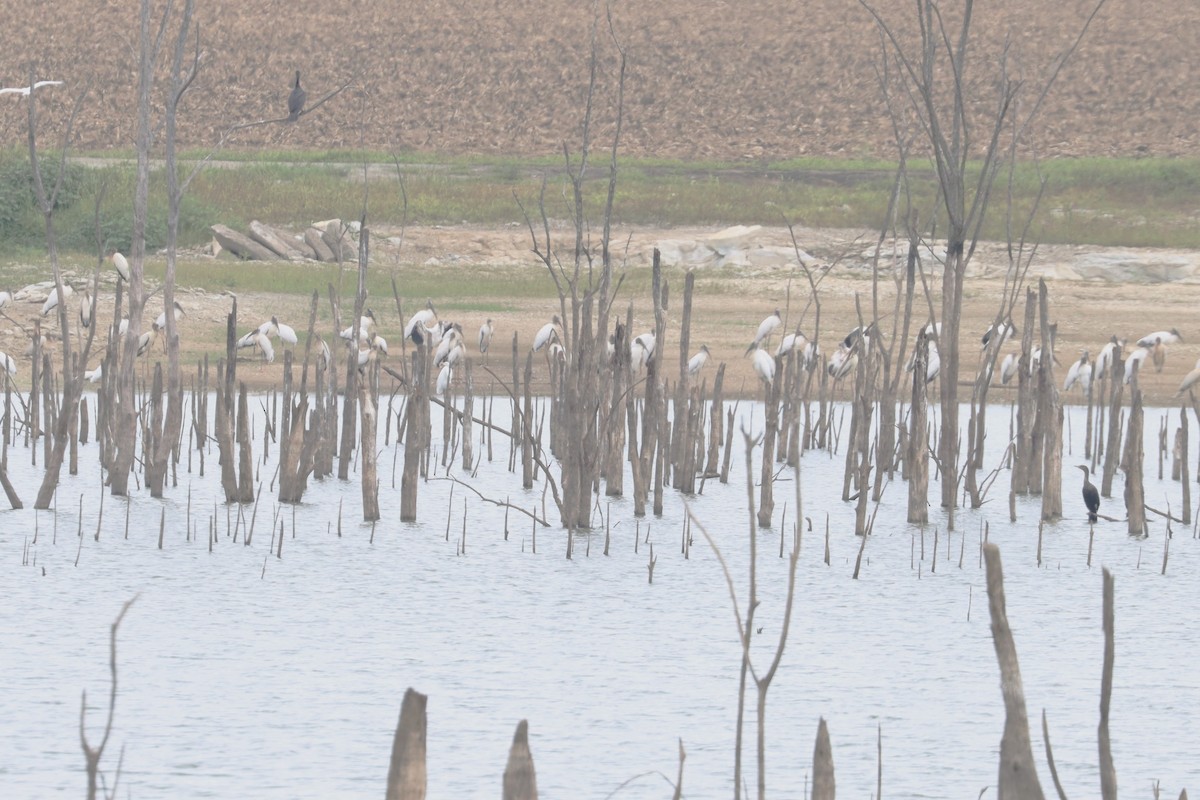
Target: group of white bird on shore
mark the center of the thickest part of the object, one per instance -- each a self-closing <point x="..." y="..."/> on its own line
<point x="448" y="344"/>
<point x="86" y="316"/>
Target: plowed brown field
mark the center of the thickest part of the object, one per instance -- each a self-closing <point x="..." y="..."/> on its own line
<point x="760" y="79"/>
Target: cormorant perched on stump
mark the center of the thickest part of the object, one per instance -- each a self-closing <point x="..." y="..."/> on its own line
<point x="1091" y="497"/>
<point x="296" y="100"/>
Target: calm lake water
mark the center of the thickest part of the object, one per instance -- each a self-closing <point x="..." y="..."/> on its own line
<point x="246" y="675"/>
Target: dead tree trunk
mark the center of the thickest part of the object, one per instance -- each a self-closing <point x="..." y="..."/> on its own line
<point x="520" y="778"/>
<point x="406" y="774"/>
<point x="917" y="457"/>
<point x="368" y="402"/>
<point x="1050" y="412"/>
<point x="1018" y="775"/>
<point x="1135" y="493"/>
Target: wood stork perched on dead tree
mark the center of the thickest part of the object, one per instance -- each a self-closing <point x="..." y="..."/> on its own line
<point x="765" y="328"/>
<point x="1080" y="373"/>
<point x="546" y="333"/>
<point x="764" y="366"/>
<point x="418" y="321"/>
<point x="52" y="301"/>
<point x="1189" y="380"/>
<point x="999" y="333"/>
<point x="121" y="264"/>
<point x="698" y="361"/>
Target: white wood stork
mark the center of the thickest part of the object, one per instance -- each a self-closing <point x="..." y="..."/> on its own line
<point x="1189" y="380"/>
<point x="545" y="333"/>
<point x="52" y="301"/>
<point x="697" y="362"/>
<point x="765" y="328"/>
<point x="485" y="336"/>
<point x="1135" y="360"/>
<point x="1080" y="373"/>
<point x="1167" y="337"/>
<point x="764" y="366"/>
<point x="121" y="264"/>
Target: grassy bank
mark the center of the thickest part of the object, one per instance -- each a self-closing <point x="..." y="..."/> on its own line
<point x="1105" y="202"/>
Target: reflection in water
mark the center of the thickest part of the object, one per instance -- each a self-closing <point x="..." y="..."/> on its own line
<point x="242" y="674"/>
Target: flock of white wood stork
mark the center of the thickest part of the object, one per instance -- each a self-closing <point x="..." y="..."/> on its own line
<point x="448" y="344"/>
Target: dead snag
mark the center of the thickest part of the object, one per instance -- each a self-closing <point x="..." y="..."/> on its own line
<point x="1135" y="496"/>
<point x="520" y="779"/>
<point x="1018" y="777"/>
<point x="824" y="785"/>
<point x="406" y="773"/>
<point x="1108" y="774"/>
<point x="92" y="755"/>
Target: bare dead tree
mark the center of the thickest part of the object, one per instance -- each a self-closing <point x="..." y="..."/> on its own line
<point x="966" y="168"/>
<point x="1018" y="776"/>
<point x="72" y="377"/>
<point x="149" y="48"/>
<point x="92" y="755"/>
<point x="585" y="300"/>
<point x="745" y="626"/>
<point x="178" y="84"/>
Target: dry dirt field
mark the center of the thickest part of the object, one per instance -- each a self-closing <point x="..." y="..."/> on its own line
<point x="760" y="79"/>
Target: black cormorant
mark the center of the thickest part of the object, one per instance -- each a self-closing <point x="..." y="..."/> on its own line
<point x="1091" y="497"/>
<point x="296" y="100"/>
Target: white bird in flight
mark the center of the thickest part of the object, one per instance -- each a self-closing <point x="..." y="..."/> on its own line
<point x="23" y="91"/>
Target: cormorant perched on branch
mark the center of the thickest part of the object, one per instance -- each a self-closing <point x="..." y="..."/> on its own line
<point x="1091" y="497"/>
<point x="296" y="100"/>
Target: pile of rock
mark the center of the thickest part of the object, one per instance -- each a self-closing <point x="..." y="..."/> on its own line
<point x="321" y="241"/>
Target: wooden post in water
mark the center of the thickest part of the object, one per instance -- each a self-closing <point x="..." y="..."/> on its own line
<point x="1023" y="456"/>
<point x="527" y="426"/>
<point x="1017" y="774"/>
<point x="520" y="778"/>
<point x="1186" y="513"/>
<point x="406" y="773"/>
<point x="619" y="365"/>
<point x="415" y="426"/>
<point x="468" y="444"/>
<point x="1050" y="414"/>
<point x="766" y="497"/>
<point x="917" y="457"/>
<point x="245" y="491"/>
<point x="1112" y="451"/>
<point x="1135" y="496"/>
<point x="368" y="401"/>
<point x="824" y="786"/>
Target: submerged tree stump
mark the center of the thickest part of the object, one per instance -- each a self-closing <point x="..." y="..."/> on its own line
<point x="824" y="786"/>
<point x="406" y="773"/>
<point x="1018" y="775"/>
<point x="520" y="778"/>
